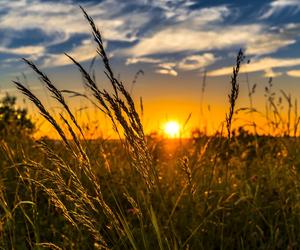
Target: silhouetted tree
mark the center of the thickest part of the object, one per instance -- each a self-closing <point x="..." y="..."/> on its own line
<point x="14" y="120"/>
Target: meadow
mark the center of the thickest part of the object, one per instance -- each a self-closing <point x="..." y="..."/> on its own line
<point x="233" y="190"/>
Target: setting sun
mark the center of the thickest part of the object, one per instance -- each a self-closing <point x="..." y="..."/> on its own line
<point x="172" y="129"/>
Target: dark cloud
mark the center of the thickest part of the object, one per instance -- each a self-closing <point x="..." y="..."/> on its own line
<point x="29" y="37"/>
<point x="72" y="42"/>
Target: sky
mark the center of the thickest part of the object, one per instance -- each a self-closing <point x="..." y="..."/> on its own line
<point x="172" y="41"/>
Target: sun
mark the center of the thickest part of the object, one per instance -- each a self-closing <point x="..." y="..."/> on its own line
<point x="172" y="129"/>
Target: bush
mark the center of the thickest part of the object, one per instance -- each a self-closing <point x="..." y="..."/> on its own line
<point x="13" y="120"/>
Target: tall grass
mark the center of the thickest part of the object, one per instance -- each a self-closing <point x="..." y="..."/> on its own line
<point x="234" y="93"/>
<point x="211" y="193"/>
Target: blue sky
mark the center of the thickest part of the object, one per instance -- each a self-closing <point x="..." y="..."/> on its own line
<point x="173" y="41"/>
<point x="171" y="36"/>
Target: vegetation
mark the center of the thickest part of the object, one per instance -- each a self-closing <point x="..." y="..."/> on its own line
<point x="229" y="191"/>
<point x="12" y="117"/>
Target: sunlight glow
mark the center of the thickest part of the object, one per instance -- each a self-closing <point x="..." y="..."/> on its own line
<point x="172" y="129"/>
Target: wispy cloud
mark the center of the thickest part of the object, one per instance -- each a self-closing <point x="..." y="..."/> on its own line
<point x="276" y="6"/>
<point x="85" y="51"/>
<point x="24" y="50"/>
<point x="270" y="73"/>
<point x="293" y="73"/>
<point x="197" y="61"/>
<point x="135" y="60"/>
<point x="192" y="62"/>
<point x="167" y="69"/>
<point x="59" y="22"/>
<point x="65" y="18"/>
<point x="153" y="31"/>
<point x="264" y="64"/>
<point x="254" y="38"/>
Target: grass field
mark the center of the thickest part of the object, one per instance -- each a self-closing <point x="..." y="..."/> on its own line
<point x="232" y="190"/>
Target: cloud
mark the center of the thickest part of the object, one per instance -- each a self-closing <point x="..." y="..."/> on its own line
<point x="178" y="10"/>
<point x="135" y="60"/>
<point x="184" y="34"/>
<point x="268" y="43"/>
<point x="277" y="6"/>
<point x="182" y="39"/>
<point x="269" y="73"/>
<point x="63" y="18"/>
<point x="147" y="27"/>
<point x="197" y="61"/>
<point x="207" y="29"/>
<point x="264" y="64"/>
<point x="167" y="69"/>
<point x="171" y="72"/>
<point x="293" y="73"/>
<point x="188" y="63"/>
<point x="85" y="51"/>
<point x="60" y="22"/>
<point x="24" y="50"/>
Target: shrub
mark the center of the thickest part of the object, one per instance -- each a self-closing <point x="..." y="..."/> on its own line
<point x="14" y="120"/>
